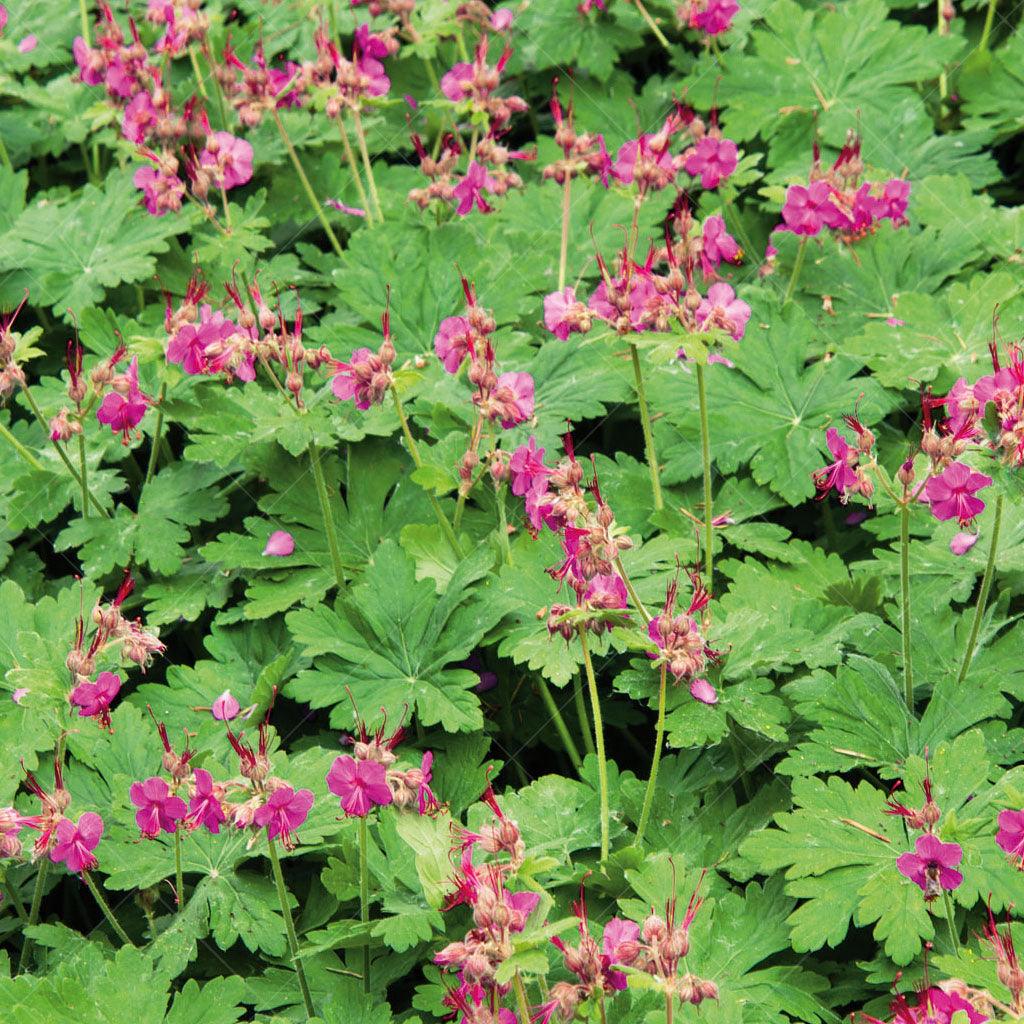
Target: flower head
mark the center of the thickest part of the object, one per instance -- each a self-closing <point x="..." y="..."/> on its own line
<point x="123" y="408"/>
<point x="159" y="810"/>
<point x="952" y="493"/>
<point x="285" y="810"/>
<point x="1010" y="837"/>
<point x="722" y="310"/>
<point x="93" y="699"/>
<point x="205" y="808"/>
<point x="75" y="842"/>
<point x="470" y="190"/>
<point x="931" y="865"/>
<point x="712" y="159"/>
<point x="527" y="467"/>
<point x="361" y="785"/>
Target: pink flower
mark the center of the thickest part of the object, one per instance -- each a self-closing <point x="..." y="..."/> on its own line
<point x="527" y="467"/>
<point x="838" y="474"/>
<point x="350" y="379"/>
<point x="426" y="802"/>
<point x="702" y="690"/>
<point x="3" y="18"/>
<point x="225" y="707"/>
<point x="715" y="17"/>
<point x="162" y="191"/>
<point x="1010" y="837"/>
<point x="951" y="493"/>
<point x="28" y="44"/>
<point x="159" y="810"/>
<point x="94" y="699"/>
<point x="205" y="807"/>
<point x="606" y="592"/>
<point x="123" y="412"/>
<point x="514" y="395"/>
<point x="90" y="62"/>
<point x="452" y="341"/>
<point x="139" y="117"/>
<point x="285" y="810"/>
<point x="657" y="167"/>
<point x="360" y="784"/>
<point x="717" y="246"/>
<point x="931" y="865"/>
<point x="501" y="19"/>
<point x="892" y="204"/>
<point x="279" y="544"/>
<point x="229" y="157"/>
<point x="620" y="944"/>
<point x="564" y="314"/>
<point x="807" y="210"/>
<point x="75" y="843"/>
<point x="457" y="84"/>
<point x="962" y="543"/>
<point x="470" y="190"/>
<point x="713" y="159"/>
<point x="353" y="211"/>
<point x="721" y="309"/>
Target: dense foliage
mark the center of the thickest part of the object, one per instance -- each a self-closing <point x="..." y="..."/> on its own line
<point x="511" y="513"/>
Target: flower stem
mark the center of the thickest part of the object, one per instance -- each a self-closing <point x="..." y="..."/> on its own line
<point x="560" y="727"/>
<point x="986" y="584"/>
<point x="354" y="168"/>
<point x="602" y="767"/>
<point x="705" y="455"/>
<point x="179" y="879"/>
<point x="327" y="516"/>
<point x="21" y="450"/>
<point x="633" y="596"/>
<point x="293" y="941"/>
<point x="986" y="31"/>
<point x="563" y="252"/>
<point x="581" y="716"/>
<point x="503" y="524"/>
<point x="908" y="667"/>
<point x="83" y="10"/>
<point x="668" y="1008"/>
<point x="364" y="898"/>
<point x="157" y="433"/>
<point x="798" y="265"/>
<point x="524" y="1003"/>
<point x="414" y="452"/>
<point x="200" y="84"/>
<point x="357" y="123"/>
<point x="306" y="187"/>
<point x="226" y="209"/>
<point x="105" y="907"/>
<point x="659" y="742"/>
<point x="645" y="423"/>
<point x="943" y="28"/>
<point x="949" y="921"/>
<point x="33" y="910"/>
<point x="658" y="34"/>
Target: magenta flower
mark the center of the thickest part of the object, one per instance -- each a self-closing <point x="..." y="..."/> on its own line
<point x="20" y="694"/>
<point x="75" y="842"/>
<point x="1010" y="837"/>
<point x="722" y="310"/>
<point x="951" y="493"/>
<point x="892" y="204"/>
<point x="94" y="699"/>
<point x="527" y="467"/>
<point x="470" y="190"/>
<point x="513" y="395"/>
<point x="124" y="412"/>
<point x="162" y="190"/>
<point x="713" y="17"/>
<point x="205" y="809"/>
<point x="838" y="474"/>
<point x="657" y="168"/>
<point x="28" y="44"/>
<point x="457" y="84"/>
<point x="285" y="810"/>
<point x="159" y="810"/>
<point x="139" y="117"/>
<point x="702" y="690"/>
<point x="452" y="342"/>
<point x="213" y="333"/>
<point x="350" y="379"/>
<point x="565" y="314"/>
<point x="230" y="159"/>
<point x="931" y="865"/>
<point x="620" y="944"/>
<point x="606" y="592"/>
<point x="712" y="159"/>
<point x="361" y="785"/>
<point x="279" y="544"/>
<point x="717" y="246"/>
<point x="426" y="802"/>
<point x="807" y="210"/>
<point x="501" y="19"/>
<point x="962" y="543"/>
<point x="3" y="18"/>
<point x="225" y="707"/>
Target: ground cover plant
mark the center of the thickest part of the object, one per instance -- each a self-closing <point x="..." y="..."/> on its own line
<point x="511" y="513"/>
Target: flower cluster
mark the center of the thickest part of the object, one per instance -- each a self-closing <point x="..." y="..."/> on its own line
<point x="369" y="777"/>
<point x="712" y="17"/>
<point x="256" y="89"/>
<point x="931" y="865"/>
<point x="837" y="199"/>
<point x="132" y="641"/>
<point x="347" y="83"/>
<point x="932" y="1005"/>
<point x="583" y="153"/>
<point x="498" y="914"/>
<point x="506" y="398"/>
<point x="472" y="88"/>
<point x="679" y="639"/>
<point x="366" y="377"/>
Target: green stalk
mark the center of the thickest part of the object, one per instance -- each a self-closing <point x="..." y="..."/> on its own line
<point x="21" y="449"/>
<point x="581" y="716"/>
<point x="327" y="516"/>
<point x="306" y="186"/>
<point x="645" y="423"/>
<point x="105" y="907"/>
<point x="560" y="727"/>
<point x="293" y="941"/>
<point x="354" y="168"/>
<point x="5" y="157"/>
<point x="33" y="911"/>
<point x="668" y="1008"/>
<point x="357" y="123"/>
<point x="414" y="452"/>
<point x="503" y="524"/>
<point x="364" y="898"/>
<point x="943" y="29"/>
<point x="12" y="894"/>
<point x="705" y="455"/>
<point x="658" y="34"/>
<point x="659" y="742"/>
<point x="563" y="252"/>
<point x="524" y="1003"/>
<point x="602" y="767"/>
<point x="633" y="596"/>
<point x="157" y="433"/>
<point x="908" y="667"/>
<point x="986" y="31"/>
<point x="986" y="584"/>
<point x="83" y="11"/>
<point x="798" y="265"/>
<point x="179" y="879"/>
<point x="949" y="921"/>
<point x="83" y="471"/>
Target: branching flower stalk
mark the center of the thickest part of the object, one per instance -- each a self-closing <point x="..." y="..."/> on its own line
<point x="986" y="584"/>
<point x="602" y="766"/>
<point x="289" y="924"/>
